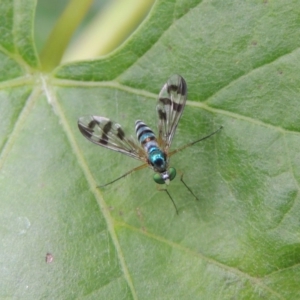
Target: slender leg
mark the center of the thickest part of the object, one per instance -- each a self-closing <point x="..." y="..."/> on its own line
<point x="181" y="179"/>
<point x="165" y="190"/>
<point x="124" y="175"/>
<point x="192" y="143"/>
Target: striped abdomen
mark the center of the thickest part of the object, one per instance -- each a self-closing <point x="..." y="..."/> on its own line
<point x="156" y="157"/>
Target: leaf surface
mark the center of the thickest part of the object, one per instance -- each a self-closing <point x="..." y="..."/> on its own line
<point x="239" y="240"/>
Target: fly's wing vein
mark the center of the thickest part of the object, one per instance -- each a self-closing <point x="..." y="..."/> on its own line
<point x="109" y="134"/>
<point x="170" y="106"/>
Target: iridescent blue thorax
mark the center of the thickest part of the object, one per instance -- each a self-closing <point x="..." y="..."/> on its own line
<point x="157" y="159"/>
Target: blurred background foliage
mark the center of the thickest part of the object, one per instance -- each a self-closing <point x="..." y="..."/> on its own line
<point x="105" y="25"/>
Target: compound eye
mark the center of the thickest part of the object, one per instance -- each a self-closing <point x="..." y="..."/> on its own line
<point x="157" y="178"/>
<point x="172" y="173"/>
<point x="169" y="175"/>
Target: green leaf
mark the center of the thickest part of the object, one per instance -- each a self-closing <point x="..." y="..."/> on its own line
<point x="63" y="238"/>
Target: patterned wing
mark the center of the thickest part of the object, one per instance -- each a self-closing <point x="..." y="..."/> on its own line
<point x="106" y="133"/>
<point x="171" y="102"/>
